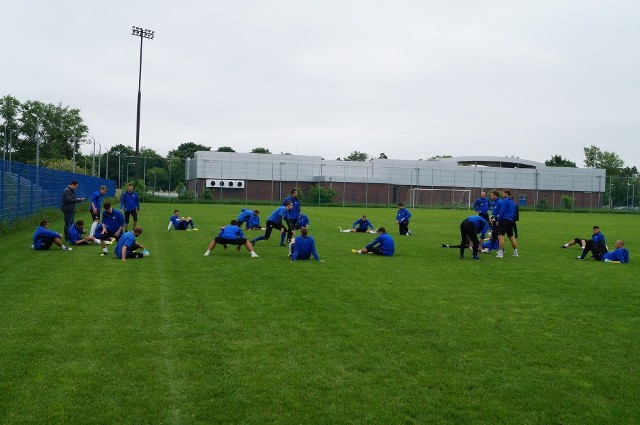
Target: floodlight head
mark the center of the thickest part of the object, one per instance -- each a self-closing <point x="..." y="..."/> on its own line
<point x="142" y="32"/>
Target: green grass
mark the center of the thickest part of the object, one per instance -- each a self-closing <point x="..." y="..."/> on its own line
<point x="421" y="337"/>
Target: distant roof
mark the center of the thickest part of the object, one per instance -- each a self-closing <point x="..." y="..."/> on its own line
<point x="495" y="161"/>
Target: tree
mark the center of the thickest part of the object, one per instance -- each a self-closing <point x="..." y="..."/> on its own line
<point x="225" y="149"/>
<point x="357" y="156"/>
<point x="261" y="150"/>
<point x="382" y="156"/>
<point x="187" y="150"/>
<point x="56" y="129"/>
<point x="559" y="161"/>
<point x="596" y="158"/>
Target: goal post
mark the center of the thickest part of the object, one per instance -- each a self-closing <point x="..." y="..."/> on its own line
<point x="453" y="198"/>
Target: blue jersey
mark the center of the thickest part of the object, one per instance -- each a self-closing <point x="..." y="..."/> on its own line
<point x="112" y="221"/>
<point x="495" y="207"/>
<point x="481" y="205"/>
<point x="386" y="244"/>
<point x="362" y="224"/>
<point x="303" y="220"/>
<point x="618" y="254"/>
<point x="507" y="210"/>
<point x="231" y="232"/>
<point x="254" y="221"/>
<point x="41" y="235"/>
<point x="278" y="214"/>
<point x="245" y="215"/>
<point x="175" y="221"/>
<point x="128" y="239"/>
<point x="75" y="233"/>
<point x="403" y="215"/>
<point x="129" y="201"/>
<point x="95" y="200"/>
<point x="294" y="212"/>
<point x="304" y="248"/>
<point x="479" y="224"/>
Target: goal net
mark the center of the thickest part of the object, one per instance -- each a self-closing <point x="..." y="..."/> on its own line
<point x="451" y="198"/>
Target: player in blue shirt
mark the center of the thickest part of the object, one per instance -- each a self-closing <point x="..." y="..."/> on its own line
<point x="481" y="206"/>
<point x="249" y="218"/>
<point x="361" y="225"/>
<point x="180" y="223"/>
<point x="597" y="245"/>
<point x="303" y="221"/>
<point x="95" y="202"/>
<point x="76" y="234"/>
<point x="231" y="235"/>
<point x="293" y="214"/>
<point x="469" y="229"/>
<point x="127" y="245"/>
<point x="618" y="255"/>
<point x="304" y="246"/>
<point x="382" y="245"/>
<point x="402" y="218"/>
<point x="275" y="222"/>
<point x="43" y="238"/>
<point x="130" y="205"/>
<point x="112" y="227"/>
<point x="506" y="214"/>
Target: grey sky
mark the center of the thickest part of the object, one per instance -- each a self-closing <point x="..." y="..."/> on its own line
<point x="412" y="79"/>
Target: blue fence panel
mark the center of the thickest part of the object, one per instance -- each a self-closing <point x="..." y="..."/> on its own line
<point x="25" y="189"/>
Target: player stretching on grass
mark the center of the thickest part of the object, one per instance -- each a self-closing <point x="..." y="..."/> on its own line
<point x="382" y="245"/>
<point x="275" y="222"/>
<point x="361" y="225"/>
<point x="231" y="235"/>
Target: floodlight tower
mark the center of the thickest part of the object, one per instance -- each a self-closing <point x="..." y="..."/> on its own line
<point x="142" y="33"/>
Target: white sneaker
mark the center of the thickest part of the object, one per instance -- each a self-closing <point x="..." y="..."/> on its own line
<point x="499" y="255"/>
<point x="515" y="252"/>
<point x="340" y="228"/>
<point x="66" y="248"/>
<point x="206" y="254"/>
<point x="253" y="254"/>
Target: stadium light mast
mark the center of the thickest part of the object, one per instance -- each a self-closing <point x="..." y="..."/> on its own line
<point x="142" y="33"/>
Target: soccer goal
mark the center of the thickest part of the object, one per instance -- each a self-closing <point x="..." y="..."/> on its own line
<point x="453" y="198"/>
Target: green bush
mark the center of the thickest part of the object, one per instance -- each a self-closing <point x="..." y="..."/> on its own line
<point x="543" y="204"/>
<point x="567" y="201"/>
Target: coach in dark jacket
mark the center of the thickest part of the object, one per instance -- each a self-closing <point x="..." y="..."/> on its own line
<point x="68" y="206"/>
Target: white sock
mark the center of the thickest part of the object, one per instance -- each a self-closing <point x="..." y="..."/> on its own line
<point x="105" y="250"/>
<point x="359" y="251"/>
<point x="93" y="228"/>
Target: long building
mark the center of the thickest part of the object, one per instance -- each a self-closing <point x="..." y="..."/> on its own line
<point x="448" y="182"/>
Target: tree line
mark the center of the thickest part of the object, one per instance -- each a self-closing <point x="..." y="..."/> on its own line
<point x="58" y="131"/>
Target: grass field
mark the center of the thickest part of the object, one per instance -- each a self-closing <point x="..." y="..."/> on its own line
<point x="421" y="337"/>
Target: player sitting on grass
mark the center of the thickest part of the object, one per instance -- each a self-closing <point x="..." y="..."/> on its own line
<point x="43" y="238"/>
<point x="231" y="235"/>
<point x="618" y="255"/>
<point x="127" y="245"/>
<point x="597" y="244"/>
<point x="180" y="223"/>
<point x="76" y="232"/>
<point x="382" y="245"/>
<point x="303" y="247"/>
<point x="361" y="225"/>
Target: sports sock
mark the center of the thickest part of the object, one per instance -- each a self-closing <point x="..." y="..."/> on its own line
<point x="93" y="228"/>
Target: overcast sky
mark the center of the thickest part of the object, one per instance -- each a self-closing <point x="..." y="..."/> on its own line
<point x="412" y="79"/>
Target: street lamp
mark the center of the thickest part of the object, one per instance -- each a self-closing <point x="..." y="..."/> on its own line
<point x="129" y="163"/>
<point x="319" y="182"/>
<point x="142" y="33"/>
